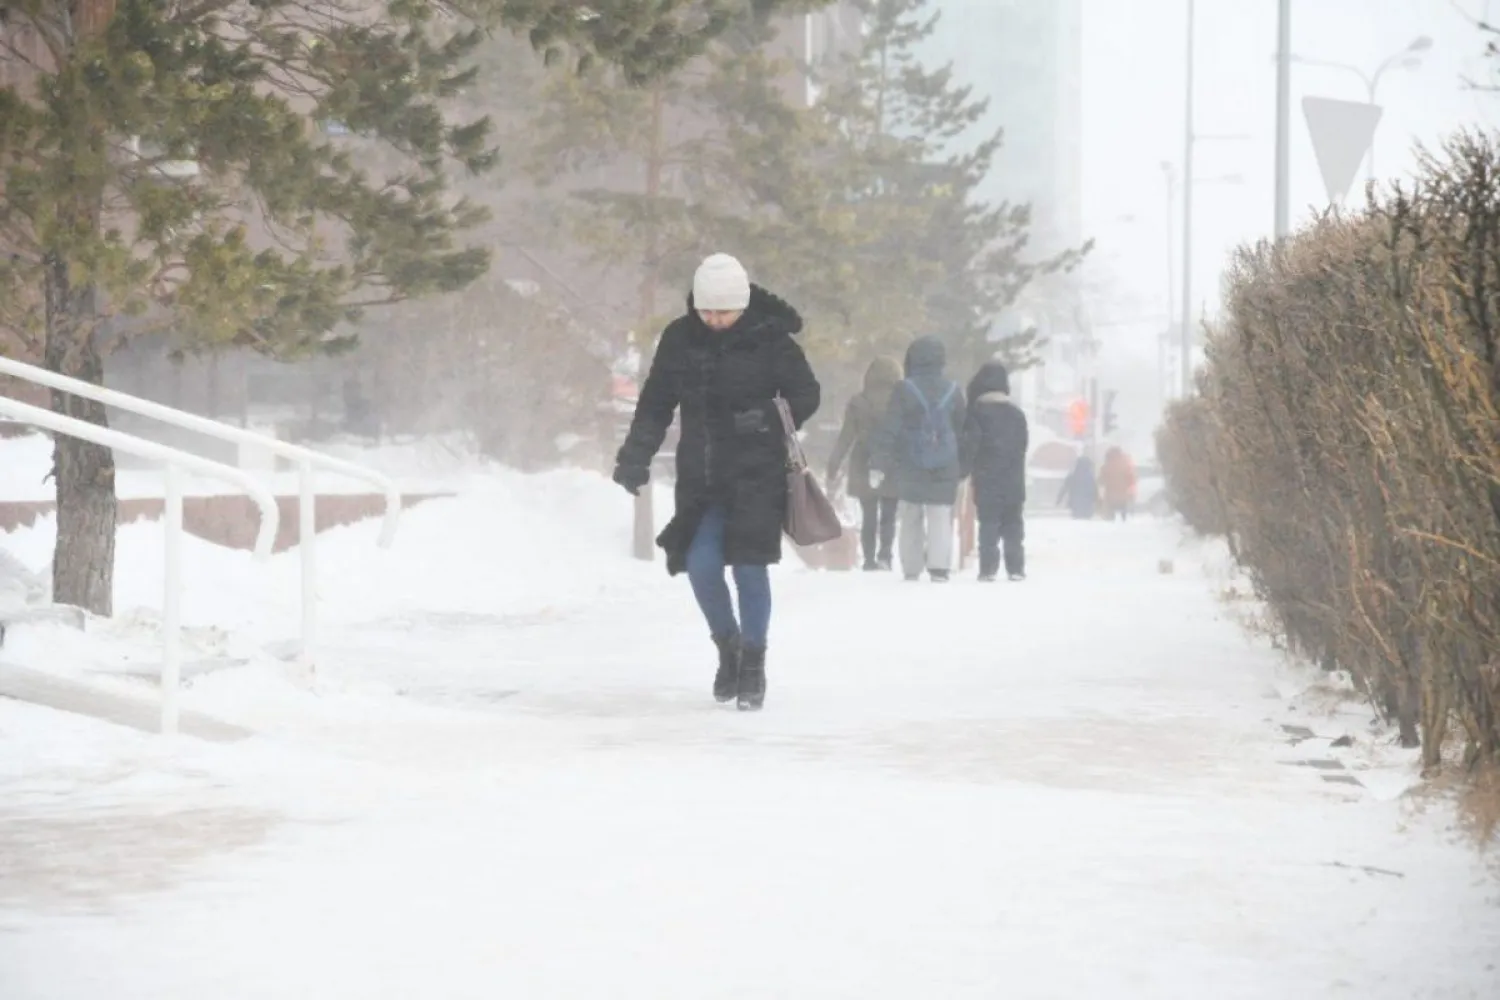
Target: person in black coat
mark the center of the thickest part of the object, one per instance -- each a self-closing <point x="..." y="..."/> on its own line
<point x="721" y="366"/>
<point x="996" y="440"/>
<point x="878" y="504"/>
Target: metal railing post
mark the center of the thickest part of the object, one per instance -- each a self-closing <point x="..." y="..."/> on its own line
<point x="307" y="541"/>
<point x="174" y="460"/>
<point x="171" y="617"/>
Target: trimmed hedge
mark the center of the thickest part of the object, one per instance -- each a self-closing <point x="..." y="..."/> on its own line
<point x="1346" y="439"/>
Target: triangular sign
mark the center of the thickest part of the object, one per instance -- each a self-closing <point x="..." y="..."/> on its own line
<point x="1341" y="134"/>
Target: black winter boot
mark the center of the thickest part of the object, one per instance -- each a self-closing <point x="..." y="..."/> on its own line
<point x="752" y="686"/>
<point x="726" y="681"/>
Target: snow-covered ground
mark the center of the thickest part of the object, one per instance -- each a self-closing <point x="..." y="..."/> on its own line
<point x="508" y="779"/>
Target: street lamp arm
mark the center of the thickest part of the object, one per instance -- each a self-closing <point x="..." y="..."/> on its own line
<point x="1328" y="64"/>
<point x="1399" y="59"/>
<point x="1409" y="56"/>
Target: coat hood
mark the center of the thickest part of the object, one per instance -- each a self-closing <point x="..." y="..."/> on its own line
<point x="993" y="377"/>
<point x="765" y="310"/>
<point x="926" y="356"/>
<point x="882" y="375"/>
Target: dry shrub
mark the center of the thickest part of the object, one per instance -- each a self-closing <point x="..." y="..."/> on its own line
<point x="1183" y="447"/>
<point x="1481" y="803"/>
<point x="1347" y="440"/>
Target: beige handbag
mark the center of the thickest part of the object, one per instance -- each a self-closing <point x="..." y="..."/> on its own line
<point x="810" y="518"/>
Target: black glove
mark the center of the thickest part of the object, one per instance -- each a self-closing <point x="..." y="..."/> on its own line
<point x="751" y="421"/>
<point x="632" y="478"/>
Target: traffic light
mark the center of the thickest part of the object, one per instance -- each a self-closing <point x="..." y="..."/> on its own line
<point x="1109" y="412"/>
<point x="1078" y="418"/>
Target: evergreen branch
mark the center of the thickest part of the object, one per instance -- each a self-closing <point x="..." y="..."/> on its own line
<point x="54" y="32"/>
<point x="9" y="47"/>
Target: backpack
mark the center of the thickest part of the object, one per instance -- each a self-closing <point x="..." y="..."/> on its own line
<point x="932" y="445"/>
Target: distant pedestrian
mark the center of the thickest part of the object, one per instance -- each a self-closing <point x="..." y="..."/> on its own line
<point x="917" y="449"/>
<point x="1080" y="490"/>
<point x="1117" y="484"/>
<point x="995" y="443"/>
<point x="720" y="367"/>
<point x="878" y="504"/>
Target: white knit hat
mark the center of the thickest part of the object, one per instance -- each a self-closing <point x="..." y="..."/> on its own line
<point x="721" y="285"/>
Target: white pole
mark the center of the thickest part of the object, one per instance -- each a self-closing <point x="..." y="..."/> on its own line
<point x="171" y="626"/>
<point x="307" y="541"/>
<point x="1163" y="342"/>
<point x="1186" y="332"/>
<point x="807" y="45"/>
<point x="1283" y="117"/>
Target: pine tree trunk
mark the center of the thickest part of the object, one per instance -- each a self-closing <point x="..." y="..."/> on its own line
<point x="83" y="561"/>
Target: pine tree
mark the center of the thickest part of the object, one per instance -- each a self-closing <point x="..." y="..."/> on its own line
<point x="942" y="248"/>
<point x="162" y="168"/>
<point x="719" y="157"/>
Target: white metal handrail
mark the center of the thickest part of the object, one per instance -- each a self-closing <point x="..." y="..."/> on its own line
<point x="174" y="460"/>
<point x="306" y="459"/>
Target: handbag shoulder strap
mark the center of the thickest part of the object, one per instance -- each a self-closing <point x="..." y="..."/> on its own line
<point x="788" y="425"/>
<point x="921" y="396"/>
<point x="795" y="456"/>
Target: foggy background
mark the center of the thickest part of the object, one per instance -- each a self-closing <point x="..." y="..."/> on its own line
<point x="1134" y="58"/>
<point x="1090" y="94"/>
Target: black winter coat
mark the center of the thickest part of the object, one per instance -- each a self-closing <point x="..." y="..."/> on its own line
<point x="731" y="450"/>
<point x="926" y="360"/>
<point x="995" y="444"/>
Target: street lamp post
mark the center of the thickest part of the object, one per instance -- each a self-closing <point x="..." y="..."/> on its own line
<point x="1164" y="379"/>
<point x="1190" y="139"/>
<point x="1283" y="118"/>
<point x="1408" y="58"/>
<point x="1187" y="213"/>
<point x="1187" y="331"/>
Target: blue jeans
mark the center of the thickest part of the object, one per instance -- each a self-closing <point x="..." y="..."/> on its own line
<point x="705" y="568"/>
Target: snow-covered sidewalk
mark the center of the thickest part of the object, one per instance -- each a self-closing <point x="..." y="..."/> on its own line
<point x="1091" y="785"/>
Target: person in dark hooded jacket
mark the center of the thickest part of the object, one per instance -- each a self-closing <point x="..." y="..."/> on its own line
<point x="995" y="444"/>
<point x="1080" y="490"/>
<point x="917" y="448"/>
<point x="721" y="367"/>
<point x="877" y="503"/>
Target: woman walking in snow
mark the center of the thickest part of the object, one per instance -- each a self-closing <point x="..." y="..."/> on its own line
<point x="878" y="504"/>
<point x="721" y="366"/>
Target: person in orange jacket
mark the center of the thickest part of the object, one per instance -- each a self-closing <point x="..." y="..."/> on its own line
<point x="1117" y="484"/>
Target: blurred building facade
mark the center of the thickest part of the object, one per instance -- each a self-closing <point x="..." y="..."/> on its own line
<point x="1026" y="58"/>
